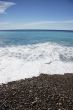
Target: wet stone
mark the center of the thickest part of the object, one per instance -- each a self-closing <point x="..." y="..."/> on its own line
<point x="45" y="92"/>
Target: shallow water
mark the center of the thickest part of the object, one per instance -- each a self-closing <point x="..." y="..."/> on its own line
<point x="24" y="54"/>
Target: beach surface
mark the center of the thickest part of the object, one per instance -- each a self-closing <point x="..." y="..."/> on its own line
<point x="45" y="92"/>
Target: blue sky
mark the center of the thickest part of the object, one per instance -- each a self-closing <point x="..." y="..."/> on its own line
<point x="36" y="14"/>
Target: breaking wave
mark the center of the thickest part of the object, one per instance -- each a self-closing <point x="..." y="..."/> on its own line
<point x="24" y="61"/>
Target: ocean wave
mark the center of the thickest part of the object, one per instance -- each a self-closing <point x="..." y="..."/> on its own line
<point x="18" y="62"/>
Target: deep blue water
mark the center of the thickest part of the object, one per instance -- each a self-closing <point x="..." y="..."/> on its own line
<point x="32" y="37"/>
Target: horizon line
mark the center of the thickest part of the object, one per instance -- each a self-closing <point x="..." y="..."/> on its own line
<point x="35" y="30"/>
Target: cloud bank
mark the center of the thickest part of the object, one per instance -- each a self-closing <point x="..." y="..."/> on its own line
<point x="4" y="6"/>
<point x="50" y="25"/>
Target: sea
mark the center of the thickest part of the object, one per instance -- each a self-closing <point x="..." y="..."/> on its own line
<point x="28" y="53"/>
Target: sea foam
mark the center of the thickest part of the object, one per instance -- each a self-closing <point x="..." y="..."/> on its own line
<point x="19" y="62"/>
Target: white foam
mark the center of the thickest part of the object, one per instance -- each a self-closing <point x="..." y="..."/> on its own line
<point x="19" y="62"/>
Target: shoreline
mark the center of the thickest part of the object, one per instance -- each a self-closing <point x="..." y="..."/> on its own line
<point x="44" y="92"/>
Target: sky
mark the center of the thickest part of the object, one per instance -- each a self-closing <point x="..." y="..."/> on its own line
<point x="36" y="14"/>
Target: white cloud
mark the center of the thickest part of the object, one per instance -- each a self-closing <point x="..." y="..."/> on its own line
<point x="5" y="5"/>
<point x="58" y="25"/>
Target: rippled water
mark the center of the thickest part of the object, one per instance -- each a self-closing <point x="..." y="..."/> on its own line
<point x="24" y="54"/>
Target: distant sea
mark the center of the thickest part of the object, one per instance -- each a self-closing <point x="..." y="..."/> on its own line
<point x="27" y="53"/>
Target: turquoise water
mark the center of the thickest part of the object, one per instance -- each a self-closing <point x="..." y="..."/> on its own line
<point x="32" y="37"/>
<point x="24" y="54"/>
